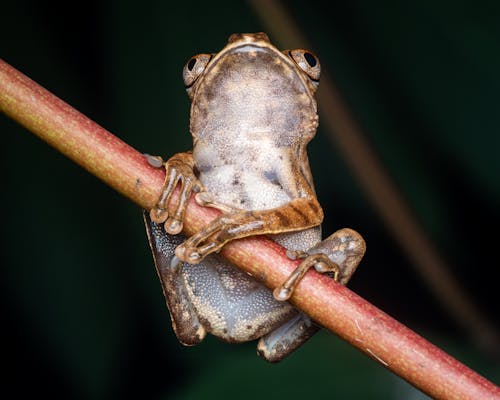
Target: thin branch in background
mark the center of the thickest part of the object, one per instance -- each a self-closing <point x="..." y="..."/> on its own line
<point x="330" y="304"/>
<point x="391" y="206"/>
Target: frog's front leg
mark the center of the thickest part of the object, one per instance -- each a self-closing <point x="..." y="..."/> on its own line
<point x="299" y="214"/>
<point x="338" y="255"/>
<point x="179" y="168"/>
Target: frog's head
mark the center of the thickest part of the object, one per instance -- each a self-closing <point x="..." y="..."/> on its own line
<point x="304" y="62"/>
<point x="251" y="87"/>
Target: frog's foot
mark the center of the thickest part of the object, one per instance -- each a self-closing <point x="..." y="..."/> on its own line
<point x="337" y="256"/>
<point x="299" y="214"/>
<point x="319" y="261"/>
<point x="179" y="168"/>
<point x="205" y="199"/>
<point x="215" y="235"/>
<point x="282" y="341"/>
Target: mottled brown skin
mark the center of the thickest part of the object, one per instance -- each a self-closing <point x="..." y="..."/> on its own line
<point x="253" y="112"/>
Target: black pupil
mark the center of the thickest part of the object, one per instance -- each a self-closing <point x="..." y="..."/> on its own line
<point x="311" y="60"/>
<point x="191" y="64"/>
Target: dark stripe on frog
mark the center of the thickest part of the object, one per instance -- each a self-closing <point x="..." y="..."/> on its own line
<point x="300" y="212"/>
<point x="283" y="218"/>
<point x="313" y="206"/>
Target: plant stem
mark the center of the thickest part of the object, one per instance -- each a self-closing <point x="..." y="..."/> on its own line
<point x="330" y="304"/>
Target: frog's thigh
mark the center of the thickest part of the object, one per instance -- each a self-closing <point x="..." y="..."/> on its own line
<point x="277" y="344"/>
<point x="185" y="322"/>
<point x="345" y="248"/>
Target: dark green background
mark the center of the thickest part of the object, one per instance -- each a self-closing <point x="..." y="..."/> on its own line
<point x="82" y="313"/>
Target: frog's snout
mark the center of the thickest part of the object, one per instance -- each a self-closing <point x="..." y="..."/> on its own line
<point x="248" y="37"/>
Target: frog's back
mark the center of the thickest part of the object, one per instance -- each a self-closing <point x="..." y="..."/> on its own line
<point x="233" y="305"/>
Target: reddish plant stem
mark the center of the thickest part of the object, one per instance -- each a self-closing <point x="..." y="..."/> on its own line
<point x="330" y="304"/>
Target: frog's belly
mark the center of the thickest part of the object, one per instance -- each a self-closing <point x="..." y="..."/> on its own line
<point x="248" y="191"/>
<point x="231" y="304"/>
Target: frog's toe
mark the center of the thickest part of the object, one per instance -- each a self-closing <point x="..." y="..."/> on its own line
<point x="173" y="226"/>
<point x="154" y="161"/>
<point x="204" y="198"/>
<point x="158" y="215"/>
<point x="320" y="262"/>
<point x="200" y="244"/>
<point x="188" y="254"/>
<point x="180" y="251"/>
<point x="194" y="255"/>
<point x="282" y="293"/>
<point x="296" y="254"/>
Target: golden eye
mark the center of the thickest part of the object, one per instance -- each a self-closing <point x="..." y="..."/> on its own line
<point x="194" y="68"/>
<point x="307" y="62"/>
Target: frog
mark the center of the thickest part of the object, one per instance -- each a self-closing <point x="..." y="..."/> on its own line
<point x="253" y="112"/>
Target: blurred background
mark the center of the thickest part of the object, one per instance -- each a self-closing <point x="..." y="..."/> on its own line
<point x="83" y="316"/>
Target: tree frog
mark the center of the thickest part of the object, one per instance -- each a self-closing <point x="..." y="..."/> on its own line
<point x="252" y="114"/>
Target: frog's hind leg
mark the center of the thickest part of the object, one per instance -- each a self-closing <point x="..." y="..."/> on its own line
<point x="277" y="344"/>
<point x="338" y="256"/>
<point x="185" y="322"/>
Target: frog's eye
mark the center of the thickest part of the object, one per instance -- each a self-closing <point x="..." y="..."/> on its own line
<point x="194" y="68"/>
<point x="307" y="62"/>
